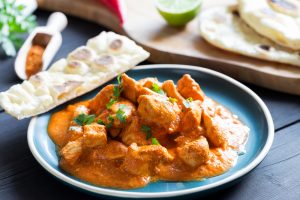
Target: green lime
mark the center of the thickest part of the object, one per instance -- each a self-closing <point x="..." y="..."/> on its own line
<point x="178" y="12"/>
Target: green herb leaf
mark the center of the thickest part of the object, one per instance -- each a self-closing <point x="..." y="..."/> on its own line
<point x="110" y="103"/>
<point x="187" y="102"/>
<point x="118" y="88"/>
<point x="116" y="91"/>
<point x="13" y="23"/>
<point x="172" y="100"/>
<point x="155" y="141"/>
<point x="101" y="122"/>
<point x="147" y="131"/>
<point x="190" y="99"/>
<point x="119" y="79"/>
<point x="111" y="121"/>
<point x="84" y="119"/>
<point x="121" y="113"/>
<point x="155" y="87"/>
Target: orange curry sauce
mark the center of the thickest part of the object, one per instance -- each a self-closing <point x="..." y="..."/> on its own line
<point x="195" y="147"/>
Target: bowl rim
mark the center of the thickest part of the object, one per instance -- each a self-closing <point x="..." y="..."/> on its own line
<point x="129" y="194"/>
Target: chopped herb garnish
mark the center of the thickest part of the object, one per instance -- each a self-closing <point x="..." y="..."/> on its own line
<point x="100" y="122"/>
<point x="119" y="79"/>
<point x="172" y="100"/>
<point x="155" y="141"/>
<point x="84" y="119"/>
<point x="187" y="102"/>
<point x="121" y="113"/>
<point x="147" y="131"/>
<point x="110" y="103"/>
<point x="156" y="88"/>
<point x="14" y="23"/>
<point x="118" y="88"/>
<point x="190" y="99"/>
<point x="116" y="93"/>
<point x="111" y="121"/>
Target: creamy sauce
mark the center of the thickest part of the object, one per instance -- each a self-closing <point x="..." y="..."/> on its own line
<point x="96" y="169"/>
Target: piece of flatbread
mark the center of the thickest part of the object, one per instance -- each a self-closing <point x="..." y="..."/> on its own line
<point x="277" y="20"/>
<point x="223" y="28"/>
<point x="85" y="69"/>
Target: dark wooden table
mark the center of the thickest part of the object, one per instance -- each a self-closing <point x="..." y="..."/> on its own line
<point x="21" y="177"/>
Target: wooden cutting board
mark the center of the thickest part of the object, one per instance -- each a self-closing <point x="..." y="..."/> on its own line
<point x="181" y="45"/>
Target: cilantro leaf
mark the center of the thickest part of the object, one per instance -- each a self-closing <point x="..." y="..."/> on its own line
<point x="155" y="141"/>
<point x="121" y="113"/>
<point x="190" y="99"/>
<point x="116" y="91"/>
<point x="84" y="119"/>
<point x="172" y="100"/>
<point x="101" y="122"/>
<point x="110" y="103"/>
<point x="119" y="79"/>
<point x="147" y="131"/>
<point x="13" y="23"/>
<point x="156" y="88"/>
<point x="187" y="102"/>
<point x="111" y="121"/>
<point x="118" y="88"/>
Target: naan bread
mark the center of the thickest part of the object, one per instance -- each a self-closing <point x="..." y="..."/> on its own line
<point x="278" y="20"/>
<point x="85" y="69"/>
<point x="223" y="28"/>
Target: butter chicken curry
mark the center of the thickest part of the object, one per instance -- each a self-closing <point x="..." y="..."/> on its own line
<point x="137" y="132"/>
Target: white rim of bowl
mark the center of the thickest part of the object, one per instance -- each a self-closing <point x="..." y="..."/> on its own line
<point x="128" y="194"/>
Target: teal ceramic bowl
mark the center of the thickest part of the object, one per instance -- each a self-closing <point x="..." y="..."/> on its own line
<point x="235" y="96"/>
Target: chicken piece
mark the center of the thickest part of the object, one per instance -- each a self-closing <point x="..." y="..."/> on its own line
<point x="75" y="131"/>
<point x="188" y="87"/>
<point x="94" y="135"/>
<point x="189" y="136"/>
<point x="194" y="153"/>
<point x="147" y="91"/>
<point x="157" y="110"/>
<point x="72" y="151"/>
<point x="98" y="103"/>
<point x="142" y="160"/>
<point x="216" y="130"/>
<point x="130" y="88"/>
<point x="148" y="82"/>
<point x="114" y="150"/>
<point x="191" y="117"/>
<point x="123" y="108"/>
<point x="132" y="133"/>
<point x="171" y="91"/>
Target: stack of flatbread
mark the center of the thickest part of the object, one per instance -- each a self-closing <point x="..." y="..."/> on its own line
<point x="86" y="68"/>
<point x="264" y="29"/>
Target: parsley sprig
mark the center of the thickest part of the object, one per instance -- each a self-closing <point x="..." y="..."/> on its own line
<point x="148" y="132"/>
<point x="84" y="119"/>
<point x="13" y="24"/>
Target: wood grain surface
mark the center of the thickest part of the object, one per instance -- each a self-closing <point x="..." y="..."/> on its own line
<point x="182" y="45"/>
<point x="22" y="178"/>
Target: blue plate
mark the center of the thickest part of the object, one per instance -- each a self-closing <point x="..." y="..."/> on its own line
<point x="235" y="96"/>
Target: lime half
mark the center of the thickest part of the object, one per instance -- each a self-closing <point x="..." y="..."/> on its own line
<point x="178" y="12"/>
